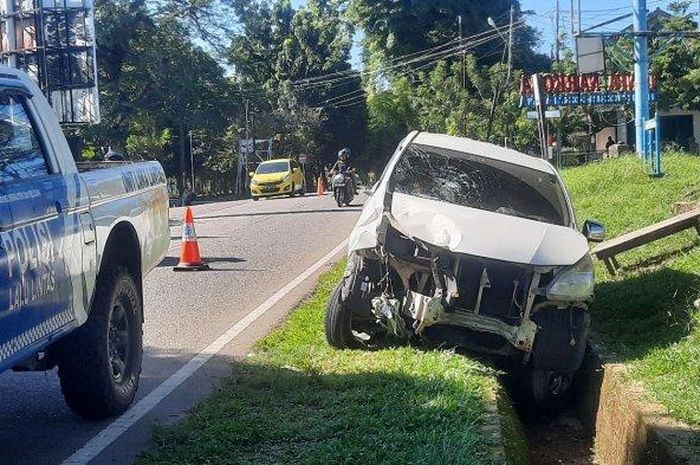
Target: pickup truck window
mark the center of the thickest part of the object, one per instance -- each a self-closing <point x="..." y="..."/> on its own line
<point x="21" y="156"/>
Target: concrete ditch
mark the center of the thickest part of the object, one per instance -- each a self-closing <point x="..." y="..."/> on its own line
<point x="609" y="422"/>
<point x="628" y="429"/>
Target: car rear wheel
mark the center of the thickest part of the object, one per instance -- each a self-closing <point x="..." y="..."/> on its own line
<point x="100" y="364"/>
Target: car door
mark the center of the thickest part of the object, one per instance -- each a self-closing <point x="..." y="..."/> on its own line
<point x="38" y="264"/>
<point x="297" y="175"/>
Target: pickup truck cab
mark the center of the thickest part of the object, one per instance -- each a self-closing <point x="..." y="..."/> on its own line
<point x="75" y="244"/>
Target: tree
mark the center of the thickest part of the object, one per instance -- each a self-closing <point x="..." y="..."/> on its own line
<point x="155" y="85"/>
<point x="278" y="54"/>
<point x="394" y="29"/>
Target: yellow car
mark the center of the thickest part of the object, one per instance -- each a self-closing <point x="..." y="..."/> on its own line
<point x="277" y="177"/>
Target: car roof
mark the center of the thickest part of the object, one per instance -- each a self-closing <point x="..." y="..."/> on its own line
<point x="275" y="160"/>
<point x="483" y="149"/>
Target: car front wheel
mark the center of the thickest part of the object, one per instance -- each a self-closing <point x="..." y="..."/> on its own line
<point x="100" y="364"/>
<point x="550" y="390"/>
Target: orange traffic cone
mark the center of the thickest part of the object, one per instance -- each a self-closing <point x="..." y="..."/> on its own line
<point x="190" y="260"/>
<point x="320" y="190"/>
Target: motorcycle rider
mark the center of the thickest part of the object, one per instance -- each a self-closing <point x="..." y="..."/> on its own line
<point x="342" y="165"/>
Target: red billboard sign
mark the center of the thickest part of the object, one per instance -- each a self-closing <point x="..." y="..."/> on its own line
<point x="555" y="84"/>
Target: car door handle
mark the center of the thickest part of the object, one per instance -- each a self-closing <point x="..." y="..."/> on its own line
<point x="59" y="207"/>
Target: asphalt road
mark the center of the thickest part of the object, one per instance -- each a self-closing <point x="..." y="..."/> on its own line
<point x="255" y="249"/>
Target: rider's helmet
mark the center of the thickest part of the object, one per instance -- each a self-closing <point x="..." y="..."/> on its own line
<point x="344" y="155"/>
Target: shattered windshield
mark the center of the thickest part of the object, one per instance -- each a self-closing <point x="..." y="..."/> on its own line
<point x="471" y="181"/>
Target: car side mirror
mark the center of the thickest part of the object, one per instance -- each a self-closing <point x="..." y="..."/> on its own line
<point x="294" y="170"/>
<point x="251" y="174"/>
<point x="594" y="231"/>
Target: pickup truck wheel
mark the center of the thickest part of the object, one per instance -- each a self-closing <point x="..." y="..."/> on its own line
<point x="100" y="364"/>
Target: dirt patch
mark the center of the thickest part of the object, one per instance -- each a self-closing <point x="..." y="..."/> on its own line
<point x="558" y="439"/>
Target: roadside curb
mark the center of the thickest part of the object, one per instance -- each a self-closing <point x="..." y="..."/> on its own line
<point x="512" y="446"/>
<point x="627" y="428"/>
<point x="493" y="428"/>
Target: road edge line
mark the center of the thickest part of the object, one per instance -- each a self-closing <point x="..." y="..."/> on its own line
<point x="98" y="443"/>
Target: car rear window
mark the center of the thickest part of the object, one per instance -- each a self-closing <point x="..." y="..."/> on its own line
<point x="476" y="182"/>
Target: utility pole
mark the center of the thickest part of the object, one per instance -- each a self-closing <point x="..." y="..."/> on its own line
<point x="462" y="119"/>
<point x="641" y="72"/>
<point x="464" y="53"/>
<point x="540" y="106"/>
<point x="558" y="33"/>
<point x="509" y="72"/>
<point x="246" y="178"/>
<point x="510" y="45"/>
<point x="192" y="162"/>
<point x="181" y="143"/>
<point x="579" y="16"/>
<point x="571" y="16"/>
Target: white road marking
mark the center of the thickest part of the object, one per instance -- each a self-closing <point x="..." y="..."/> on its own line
<point x="114" y="430"/>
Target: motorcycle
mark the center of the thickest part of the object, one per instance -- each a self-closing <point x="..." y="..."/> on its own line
<point x="343" y="191"/>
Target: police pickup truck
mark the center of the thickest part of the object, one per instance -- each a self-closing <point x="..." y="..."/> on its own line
<point x="75" y="244"/>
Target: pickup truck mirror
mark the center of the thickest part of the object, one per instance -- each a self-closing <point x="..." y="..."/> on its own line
<point x="594" y="231"/>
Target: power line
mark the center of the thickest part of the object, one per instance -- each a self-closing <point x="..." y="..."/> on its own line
<point x="356" y="100"/>
<point x="476" y="40"/>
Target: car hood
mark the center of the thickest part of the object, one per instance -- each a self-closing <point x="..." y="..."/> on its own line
<point x="272" y="177"/>
<point x="486" y="234"/>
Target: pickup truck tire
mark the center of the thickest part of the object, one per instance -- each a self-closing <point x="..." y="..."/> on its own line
<point x="100" y="364"/>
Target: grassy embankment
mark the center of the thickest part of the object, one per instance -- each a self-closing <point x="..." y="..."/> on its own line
<point x="645" y="316"/>
<point x="297" y="401"/>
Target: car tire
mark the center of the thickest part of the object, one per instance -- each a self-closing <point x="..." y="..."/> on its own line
<point x="255" y="199"/>
<point x="339" y="323"/>
<point x="291" y="193"/>
<point x="100" y="364"/>
<point x="550" y="391"/>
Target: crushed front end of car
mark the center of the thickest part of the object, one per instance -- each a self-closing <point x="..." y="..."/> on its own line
<point x="468" y="245"/>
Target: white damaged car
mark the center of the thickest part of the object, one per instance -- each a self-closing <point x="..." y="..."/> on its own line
<point x="469" y="245"/>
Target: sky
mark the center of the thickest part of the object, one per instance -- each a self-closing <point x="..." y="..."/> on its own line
<point x="592" y="12"/>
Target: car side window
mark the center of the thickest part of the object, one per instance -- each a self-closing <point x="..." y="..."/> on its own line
<point x="294" y="165"/>
<point x="21" y="155"/>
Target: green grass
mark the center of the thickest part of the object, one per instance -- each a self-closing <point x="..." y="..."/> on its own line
<point x="645" y="316"/>
<point x="298" y="401"/>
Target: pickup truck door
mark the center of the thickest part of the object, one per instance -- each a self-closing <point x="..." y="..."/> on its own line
<point x="37" y="265"/>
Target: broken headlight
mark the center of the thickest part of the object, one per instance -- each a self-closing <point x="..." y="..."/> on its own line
<point x="574" y="283"/>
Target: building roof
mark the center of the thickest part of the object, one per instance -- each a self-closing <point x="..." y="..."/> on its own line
<point x="655" y="21"/>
